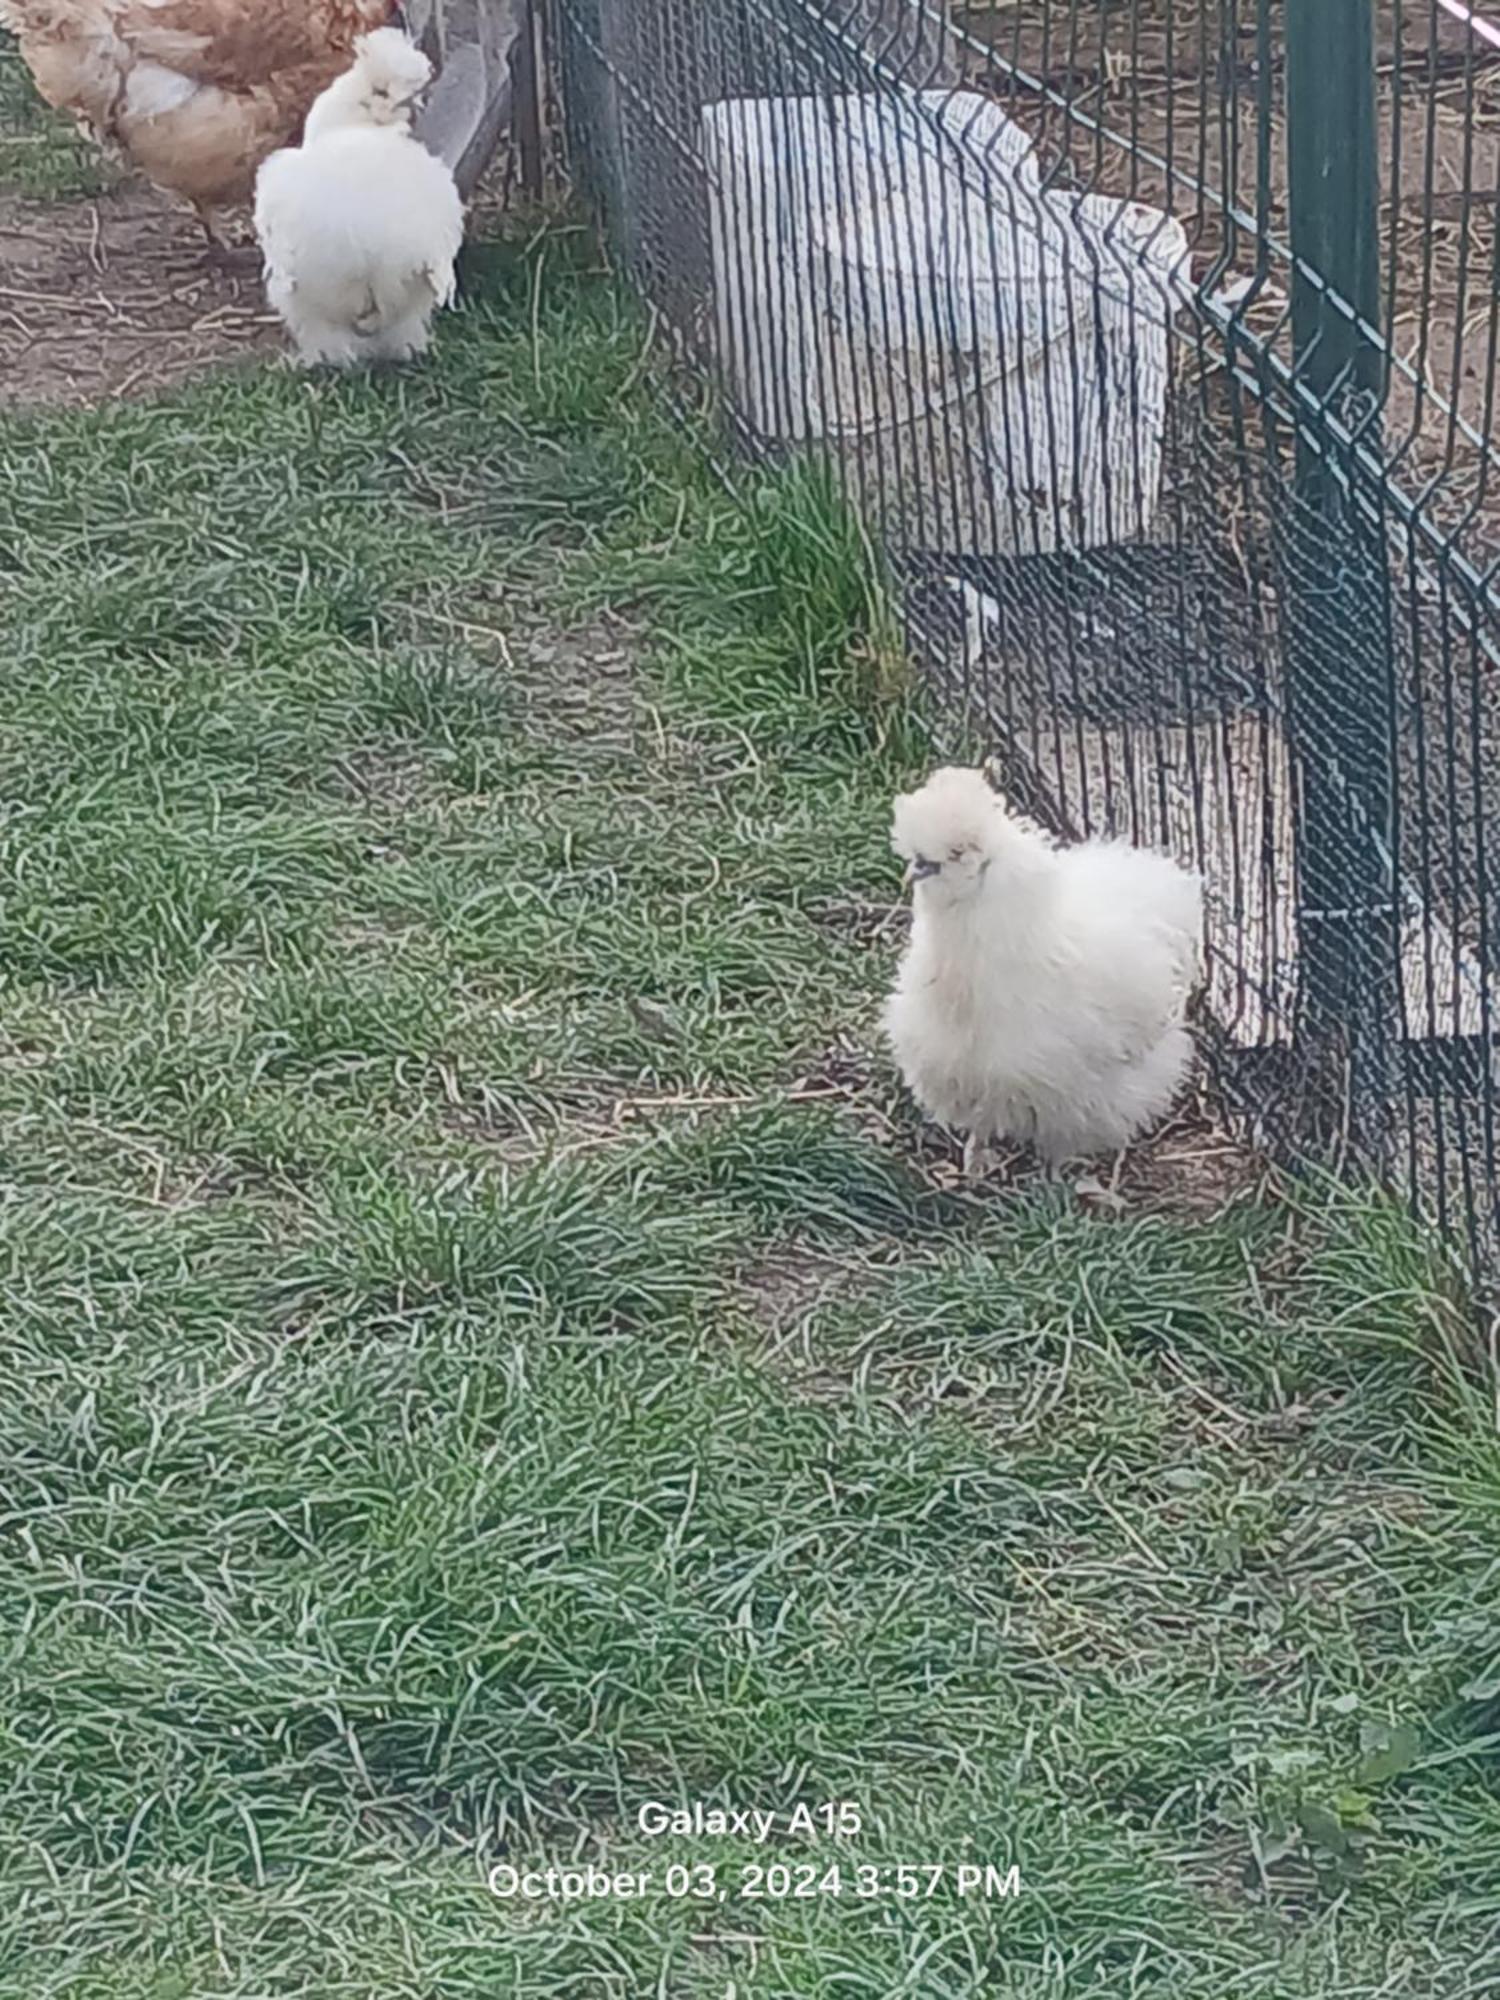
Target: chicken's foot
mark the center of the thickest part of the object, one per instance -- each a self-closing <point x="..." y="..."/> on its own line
<point x="224" y="251"/>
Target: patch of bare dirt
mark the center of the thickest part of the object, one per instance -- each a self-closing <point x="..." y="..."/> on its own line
<point x="380" y="775"/>
<point x="784" y="1288"/>
<point x="1191" y="1168"/>
<point x="115" y="296"/>
<point x="1161" y="103"/>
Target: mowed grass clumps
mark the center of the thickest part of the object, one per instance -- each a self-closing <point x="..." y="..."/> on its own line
<point x="482" y="1349"/>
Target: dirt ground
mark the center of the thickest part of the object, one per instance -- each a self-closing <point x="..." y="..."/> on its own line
<point x="115" y="295"/>
<point x="1161" y="103"/>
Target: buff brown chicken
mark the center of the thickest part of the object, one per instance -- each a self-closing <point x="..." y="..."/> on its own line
<point x="193" y="93"/>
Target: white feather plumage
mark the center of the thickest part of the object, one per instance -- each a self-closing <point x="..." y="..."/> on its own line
<point x="1042" y="996"/>
<point x="361" y="226"/>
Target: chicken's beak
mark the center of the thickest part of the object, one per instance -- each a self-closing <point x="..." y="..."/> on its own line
<point x="919" y="871"/>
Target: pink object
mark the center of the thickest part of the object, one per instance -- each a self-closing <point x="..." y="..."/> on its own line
<point x="1484" y="29"/>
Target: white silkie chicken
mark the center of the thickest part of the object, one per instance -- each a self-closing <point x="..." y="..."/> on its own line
<point x="360" y="225"/>
<point x="1042" y="996"/>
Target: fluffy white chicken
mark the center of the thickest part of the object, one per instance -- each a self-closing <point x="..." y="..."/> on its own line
<point x="1042" y="996"/>
<point x="360" y="225"/>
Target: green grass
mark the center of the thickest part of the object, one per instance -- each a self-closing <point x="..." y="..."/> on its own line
<point x="42" y="155"/>
<point x="481" y="1351"/>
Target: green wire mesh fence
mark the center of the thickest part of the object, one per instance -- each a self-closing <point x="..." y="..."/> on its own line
<point x="1157" y="340"/>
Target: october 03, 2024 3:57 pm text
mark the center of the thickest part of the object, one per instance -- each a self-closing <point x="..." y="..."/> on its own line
<point x="837" y="1875"/>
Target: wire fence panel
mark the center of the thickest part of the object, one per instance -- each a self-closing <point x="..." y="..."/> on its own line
<point x="1157" y="341"/>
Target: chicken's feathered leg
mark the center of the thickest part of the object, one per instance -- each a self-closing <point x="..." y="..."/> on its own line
<point x="222" y="248"/>
<point x="213" y="229"/>
<point x="1104" y="1194"/>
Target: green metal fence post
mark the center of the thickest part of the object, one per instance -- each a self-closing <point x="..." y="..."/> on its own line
<point x="614" y="188"/>
<point x="529" y="121"/>
<point x="1338" y="649"/>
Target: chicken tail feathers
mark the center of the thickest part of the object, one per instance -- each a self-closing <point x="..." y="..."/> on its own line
<point x="75" y="56"/>
<point x="443" y="282"/>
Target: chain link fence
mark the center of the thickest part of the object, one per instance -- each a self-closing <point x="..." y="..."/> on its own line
<point x="1157" y="341"/>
